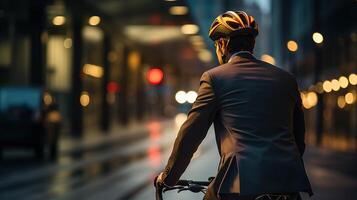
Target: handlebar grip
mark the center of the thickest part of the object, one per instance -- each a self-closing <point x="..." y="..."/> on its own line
<point x="203" y="183"/>
<point x="159" y="188"/>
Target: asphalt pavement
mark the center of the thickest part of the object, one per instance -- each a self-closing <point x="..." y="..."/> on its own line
<point x="122" y="164"/>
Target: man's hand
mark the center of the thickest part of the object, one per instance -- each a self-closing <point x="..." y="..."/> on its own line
<point x="158" y="180"/>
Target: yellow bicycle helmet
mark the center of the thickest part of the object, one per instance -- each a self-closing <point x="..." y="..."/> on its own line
<point x="233" y="23"/>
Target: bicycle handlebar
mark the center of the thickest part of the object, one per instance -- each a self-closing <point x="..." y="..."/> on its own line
<point x="190" y="182"/>
<point x="193" y="186"/>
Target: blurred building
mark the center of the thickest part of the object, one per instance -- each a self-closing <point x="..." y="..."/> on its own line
<point x="93" y="57"/>
<point x="324" y="62"/>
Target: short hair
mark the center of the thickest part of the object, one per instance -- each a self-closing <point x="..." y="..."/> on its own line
<point x="241" y="43"/>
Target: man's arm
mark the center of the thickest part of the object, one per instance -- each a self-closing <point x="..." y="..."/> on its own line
<point x="192" y="132"/>
<point x="299" y="124"/>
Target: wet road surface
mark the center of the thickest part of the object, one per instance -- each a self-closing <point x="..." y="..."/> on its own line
<point x="122" y="165"/>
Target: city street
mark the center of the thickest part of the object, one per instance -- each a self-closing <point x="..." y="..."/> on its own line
<point x="122" y="165"/>
<point x="93" y="94"/>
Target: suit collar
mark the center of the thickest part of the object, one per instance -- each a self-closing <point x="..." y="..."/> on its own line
<point x="241" y="56"/>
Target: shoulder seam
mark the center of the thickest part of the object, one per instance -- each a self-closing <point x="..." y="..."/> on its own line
<point x="212" y="84"/>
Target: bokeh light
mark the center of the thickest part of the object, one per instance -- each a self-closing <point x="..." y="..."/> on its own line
<point x="292" y="46"/>
<point x="58" y="20"/>
<point x="311" y="99"/>
<point x="178" y="10"/>
<point x="84" y="99"/>
<point x="67" y="43"/>
<point x="189" y="29"/>
<point x="181" y="97"/>
<point x="155" y="76"/>
<point x="350" y="97"/>
<point x="180" y="118"/>
<point x="268" y="58"/>
<point x="191" y="96"/>
<point x="327" y="86"/>
<point x="353" y="79"/>
<point x="112" y="87"/>
<point x="94" y="20"/>
<point x="317" y="37"/>
<point x="93" y="70"/>
<point x="335" y="85"/>
<point x="47" y="98"/>
<point x="343" y="82"/>
<point x="341" y="103"/>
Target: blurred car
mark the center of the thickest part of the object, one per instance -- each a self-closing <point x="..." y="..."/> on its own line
<point x="23" y="121"/>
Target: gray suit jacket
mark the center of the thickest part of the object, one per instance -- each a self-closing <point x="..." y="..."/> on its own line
<point x="259" y="127"/>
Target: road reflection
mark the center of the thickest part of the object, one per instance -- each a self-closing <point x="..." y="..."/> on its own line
<point x="154" y="151"/>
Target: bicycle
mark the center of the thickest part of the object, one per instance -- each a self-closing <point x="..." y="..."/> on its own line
<point x="201" y="186"/>
<point x="183" y="185"/>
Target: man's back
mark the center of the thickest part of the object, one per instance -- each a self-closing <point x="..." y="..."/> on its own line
<point x="259" y="129"/>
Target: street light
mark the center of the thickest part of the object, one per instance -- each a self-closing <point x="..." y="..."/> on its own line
<point x="268" y="58"/>
<point x="341" y="102"/>
<point x="292" y="46"/>
<point x="309" y="100"/>
<point x="181" y="97"/>
<point x="58" y="20"/>
<point x="191" y="96"/>
<point x="155" y="76"/>
<point x="350" y="98"/>
<point x="93" y="70"/>
<point x="317" y="37"/>
<point x="47" y="98"/>
<point x="327" y="86"/>
<point x="353" y="79"/>
<point x="335" y="85"/>
<point x="343" y="82"/>
<point x="84" y="99"/>
<point x="67" y="43"/>
<point x="189" y="29"/>
<point x="178" y="10"/>
<point x="94" y="20"/>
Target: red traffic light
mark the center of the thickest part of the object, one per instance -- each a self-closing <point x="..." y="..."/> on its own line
<point x="112" y="87"/>
<point x="155" y="76"/>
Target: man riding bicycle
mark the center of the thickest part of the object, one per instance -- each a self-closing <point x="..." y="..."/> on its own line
<point x="257" y="116"/>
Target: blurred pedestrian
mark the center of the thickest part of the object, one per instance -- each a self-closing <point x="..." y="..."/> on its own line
<point x="53" y="125"/>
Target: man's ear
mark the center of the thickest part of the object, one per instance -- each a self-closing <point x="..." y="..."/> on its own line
<point x="222" y="44"/>
<point x="217" y="46"/>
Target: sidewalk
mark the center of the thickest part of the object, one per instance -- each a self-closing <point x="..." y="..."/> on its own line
<point x="91" y="165"/>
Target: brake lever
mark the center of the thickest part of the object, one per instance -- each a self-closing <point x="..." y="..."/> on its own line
<point x="172" y="188"/>
<point x="192" y="188"/>
<point x="182" y="189"/>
